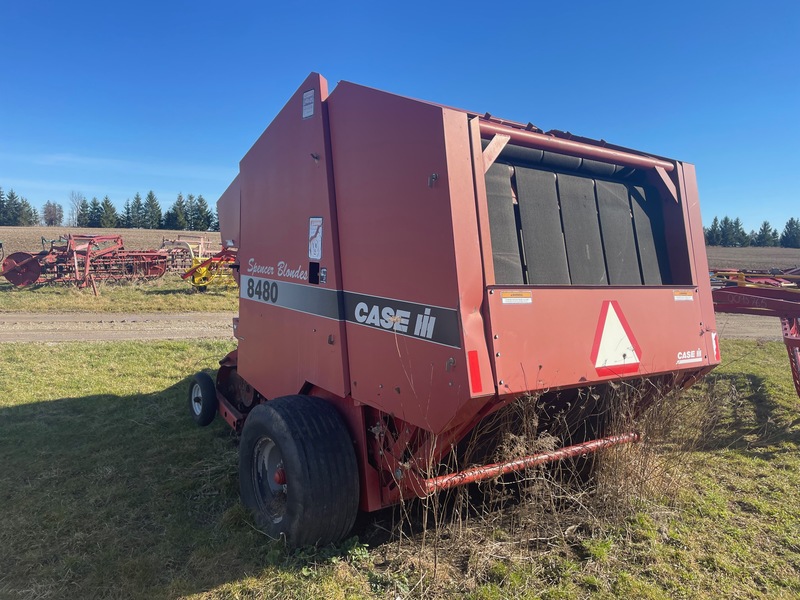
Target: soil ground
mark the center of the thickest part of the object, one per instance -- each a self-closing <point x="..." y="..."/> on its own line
<point x="29" y="239"/>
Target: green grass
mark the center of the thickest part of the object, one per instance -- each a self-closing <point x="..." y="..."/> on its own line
<point x="109" y="490"/>
<point x="167" y="294"/>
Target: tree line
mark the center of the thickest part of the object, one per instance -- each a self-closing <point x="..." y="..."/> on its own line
<point x="15" y="210"/>
<point x="730" y="232"/>
<point x="190" y="213"/>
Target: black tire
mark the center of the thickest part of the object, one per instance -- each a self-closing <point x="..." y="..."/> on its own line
<point x="203" y="399"/>
<point x="298" y="471"/>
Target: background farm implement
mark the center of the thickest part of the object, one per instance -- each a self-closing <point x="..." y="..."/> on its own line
<point x="771" y="293"/>
<point x="201" y="261"/>
<point x="82" y="260"/>
<point x="213" y="270"/>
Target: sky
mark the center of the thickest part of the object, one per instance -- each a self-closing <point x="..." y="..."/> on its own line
<point x="115" y="98"/>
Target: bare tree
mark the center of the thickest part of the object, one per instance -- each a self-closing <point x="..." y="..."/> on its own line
<point x="75" y="201"/>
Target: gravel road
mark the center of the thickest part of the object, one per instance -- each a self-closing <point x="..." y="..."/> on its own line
<point x="52" y="327"/>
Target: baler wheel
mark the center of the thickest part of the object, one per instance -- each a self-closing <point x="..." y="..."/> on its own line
<point x="203" y="399"/>
<point x="298" y="471"/>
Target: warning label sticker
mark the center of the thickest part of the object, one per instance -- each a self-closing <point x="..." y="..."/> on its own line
<point x="683" y="296"/>
<point x="308" y="104"/>
<point x="517" y="297"/>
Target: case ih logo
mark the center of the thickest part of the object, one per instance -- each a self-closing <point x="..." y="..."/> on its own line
<point x="393" y="319"/>
<point x="431" y="323"/>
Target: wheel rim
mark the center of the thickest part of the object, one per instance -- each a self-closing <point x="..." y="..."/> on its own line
<point x="197" y="399"/>
<point x="269" y="479"/>
<point x="23" y="275"/>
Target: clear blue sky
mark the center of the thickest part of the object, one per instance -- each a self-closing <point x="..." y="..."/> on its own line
<point x="119" y="97"/>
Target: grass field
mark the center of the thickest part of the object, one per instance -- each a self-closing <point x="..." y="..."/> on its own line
<point x="110" y="491"/>
<point x="167" y="294"/>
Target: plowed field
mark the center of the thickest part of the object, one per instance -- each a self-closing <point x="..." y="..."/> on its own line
<point x="29" y="239"/>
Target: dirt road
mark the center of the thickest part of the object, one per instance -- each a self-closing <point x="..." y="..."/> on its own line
<point x="49" y="327"/>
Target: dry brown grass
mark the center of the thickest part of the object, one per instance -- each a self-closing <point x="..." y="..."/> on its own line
<point x="29" y="239"/>
<point x="550" y="517"/>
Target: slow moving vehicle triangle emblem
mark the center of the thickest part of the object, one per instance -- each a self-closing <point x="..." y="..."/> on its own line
<point x="615" y="350"/>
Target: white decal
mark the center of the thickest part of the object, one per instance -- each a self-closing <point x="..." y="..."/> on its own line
<point x="689" y="356"/>
<point x="386" y="317"/>
<point x="254" y="267"/>
<point x="284" y="270"/>
<point x="308" y="104"/>
<point x="315" y="238"/>
<point x="424" y="325"/>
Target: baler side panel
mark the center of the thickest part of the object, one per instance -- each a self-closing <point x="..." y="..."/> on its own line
<point x="393" y="192"/>
<point x="696" y="240"/>
<point x="471" y="283"/>
<point x="228" y="208"/>
<point x="290" y="331"/>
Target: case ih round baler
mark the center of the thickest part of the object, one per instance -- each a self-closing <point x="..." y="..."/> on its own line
<point x="407" y="269"/>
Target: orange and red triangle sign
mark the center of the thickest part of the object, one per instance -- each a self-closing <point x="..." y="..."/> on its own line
<point x="615" y="350"/>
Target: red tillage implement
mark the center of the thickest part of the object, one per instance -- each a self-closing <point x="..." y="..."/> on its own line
<point x="769" y="294"/>
<point x="407" y="269"/>
<point x="82" y="259"/>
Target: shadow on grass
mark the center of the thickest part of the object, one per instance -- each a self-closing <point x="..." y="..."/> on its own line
<point x="123" y="496"/>
<point x="750" y="421"/>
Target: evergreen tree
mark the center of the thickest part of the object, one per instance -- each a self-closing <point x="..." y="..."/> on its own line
<point x="52" y="214"/>
<point x="790" y="238"/>
<point x="713" y="234"/>
<point x="82" y="214"/>
<point x="740" y="237"/>
<point x="108" y="214"/>
<point x="2" y="207"/>
<point x="766" y="236"/>
<point x="28" y="215"/>
<point x="127" y="216"/>
<point x="727" y="233"/>
<point x="137" y="212"/>
<point x="191" y="205"/>
<point x="215" y="221"/>
<point x="202" y="215"/>
<point x="175" y="217"/>
<point x="152" y="212"/>
<point x="13" y="208"/>
<point x="95" y="212"/>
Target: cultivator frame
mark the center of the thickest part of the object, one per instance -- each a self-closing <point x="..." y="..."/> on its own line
<point x="82" y="260"/>
<point x="772" y="293"/>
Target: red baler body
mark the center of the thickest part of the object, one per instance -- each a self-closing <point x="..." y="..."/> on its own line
<point x="377" y="238"/>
